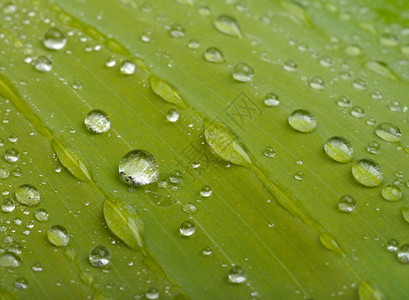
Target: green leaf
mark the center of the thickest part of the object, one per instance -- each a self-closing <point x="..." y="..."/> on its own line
<point x="370" y="291"/>
<point x="123" y="220"/>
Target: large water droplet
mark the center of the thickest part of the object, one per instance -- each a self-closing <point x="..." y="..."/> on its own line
<point x="139" y="167"/>
<point x="9" y="260"/>
<point x="388" y="132"/>
<point x="228" y="25"/>
<point x="403" y="254"/>
<point x="172" y="115"/>
<point x="8" y="205"/>
<point x="346" y="203"/>
<point x="58" y="236"/>
<point x="213" y="55"/>
<point x="127" y="67"/>
<point x="11" y="155"/>
<point x="391" y="192"/>
<point x="237" y="275"/>
<point x="339" y="149"/>
<point x="373" y="147"/>
<point x="54" y="39"/>
<point x="27" y="194"/>
<point x="99" y="256"/>
<point x="187" y="228"/>
<point x="243" y="72"/>
<point x="367" y="172"/>
<point x="302" y="120"/>
<point x="97" y="121"/>
<point x="43" y="64"/>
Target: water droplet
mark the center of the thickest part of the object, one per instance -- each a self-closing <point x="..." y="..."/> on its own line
<point x="172" y="115"/>
<point x="206" y="191"/>
<point x="359" y="84"/>
<point x="175" y="176"/>
<point x="9" y="260"/>
<point x="147" y="36"/>
<point x="97" y="121"/>
<point x="371" y="121"/>
<point x="269" y="151"/>
<point x="13" y="138"/>
<point x="299" y="175"/>
<point x="193" y="44"/>
<point x="4" y="173"/>
<point x="54" y="39"/>
<point x="58" y="236"/>
<point x="302" y="120"/>
<point x="21" y="283"/>
<point x="388" y="132"/>
<point x="8" y="205"/>
<point x="127" y="67"/>
<point x="177" y="31"/>
<point x="243" y="72"/>
<point x="152" y="294"/>
<point x="389" y="40"/>
<point x="37" y="267"/>
<point x="392" y="245"/>
<point x="271" y="99"/>
<point x="27" y="194"/>
<point x="343" y="101"/>
<point x="357" y="112"/>
<point x="41" y="215"/>
<point x="367" y="172"/>
<point x="326" y="61"/>
<point x="139" y="167"/>
<point x="394" y="106"/>
<point x="403" y="254"/>
<point x="187" y="228"/>
<point x="11" y="155"/>
<point x="189" y="208"/>
<point x="339" y="149"/>
<point x="237" y="275"/>
<point x="317" y="83"/>
<point x="43" y="64"/>
<point x="353" y="50"/>
<point x="373" y="147"/>
<point x="346" y="203"/>
<point x="290" y="66"/>
<point x="391" y="192"/>
<point x="214" y="55"/>
<point x="228" y="25"/>
<point x="99" y="256"/>
<point x="110" y="62"/>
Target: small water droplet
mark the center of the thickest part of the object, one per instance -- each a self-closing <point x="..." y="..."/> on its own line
<point x="357" y="112"/>
<point x="4" y="173"/>
<point x="147" y="36"/>
<point x="207" y="251"/>
<point x="243" y="72"/>
<point x="76" y="84"/>
<point x="99" y="256"/>
<point x="110" y="62"/>
<point x="177" y="31"/>
<point x="367" y="172"/>
<point x="299" y="175"/>
<point x="13" y="138"/>
<point x="175" y="176"/>
<point x="27" y="194"/>
<point x="9" y="260"/>
<point x="237" y="275"/>
<point x="41" y="215"/>
<point x="343" y="101"/>
<point x="269" y="151"/>
<point x="346" y="203"/>
<point x="54" y="39"/>
<point x="353" y="50"/>
<point x="152" y="294"/>
<point x="392" y="245"/>
<point x="394" y="106"/>
<point x="290" y="66"/>
<point x="391" y="192"/>
<point x="193" y="44"/>
<point x="37" y="267"/>
<point x="58" y="236"/>
<point x="326" y="61"/>
<point x="228" y="25"/>
<point x="187" y="228"/>
<point x="172" y="115"/>
<point x="359" y="84"/>
<point x="43" y="64"/>
<point x="373" y="147"/>
<point x="139" y="167"/>
<point x="204" y="10"/>
<point x="214" y="55"/>
<point x="21" y="283"/>
<point x="389" y="40"/>
<point x="339" y="149"/>
<point x="403" y="254"/>
<point x="97" y="121"/>
<point x="189" y="208"/>
<point x="271" y="99"/>
<point x="8" y="205"/>
<point x="388" y="132"/>
<point x="371" y="121"/>
<point x="302" y="120"/>
<point x="127" y="67"/>
<point x="206" y="191"/>
<point x="317" y="83"/>
<point x="12" y="155"/>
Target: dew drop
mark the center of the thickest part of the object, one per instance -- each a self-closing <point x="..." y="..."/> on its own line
<point x="21" y="283"/>
<point x="177" y="31"/>
<point x="214" y="55"/>
<point x="99" y="256"/>
<point x="367" y="172"/>
<point x="41" y="215"/>
<point x="54" y="39"/>
<point x="339" y="149"/>
<point x="9" y="260"/>
<point x="228" y="25"/>
<point x="37" y="267"/>
<point x="271" y="99"/>
<point x="139" y="167"/>
<point x="357" y="112"/>
<point x="403" y="254"/>
<point x="243" y="72"/>
<point x="13" y="138"/>
<point x="207" y="251"/>
<point x="206" y="191"/>
<point x="404" y="210"/>
<point x="389" y="40"/>
<point x="189" y="208"/>
<point x="172" y="115"/>
<point x="392" y="245"/>
<point x="11" y="155"/>
<point x="343" y="101"/>
<point x="359" y="84"/>
<point x="27" y="194"/>
<point x="388" y="132"/>
<point x="43" y="64"/>
<point x="290" y="66"/>
<point x="373" y="147"/>
<point x="237" y="275"/>
<point x="175" y="176"/>
<point x="58" y="236"/>
<point x="152" y="294"/>
<point x="347" y="203"/>
<point x="110" y="62"/>
<point x="302" y="120"/>
<point x="317" y="83"/>
<point x="391" y="193"/>
<point x="353" y="50"/>
<point x="187" y="228"/>
<point x="299" y="175"/>
<point x="97" y="121"/>
<point x="8" y="205"/>
<point x="193" y="44"/>
<point x="4" y="173"/>
<point x="127" y="67"/>
<point x="269" y="151"/>
<point x="394" y="106"/>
